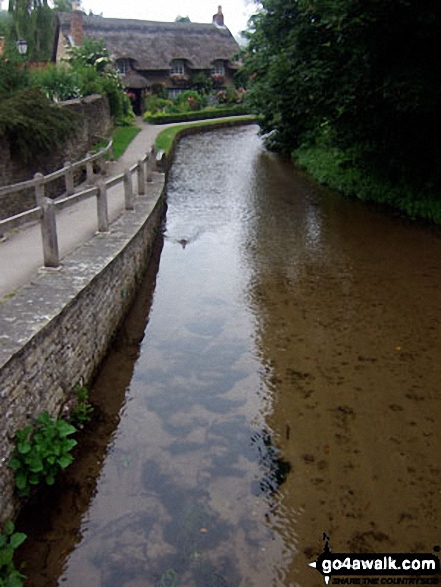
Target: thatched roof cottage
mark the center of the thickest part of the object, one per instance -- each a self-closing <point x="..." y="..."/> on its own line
<point x="148" y="52"/>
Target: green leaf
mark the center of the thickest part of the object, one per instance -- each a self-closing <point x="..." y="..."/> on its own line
<point x="9" y="528"/>
<point x="70" y="443"/>
<point x="65" y="461"/>
<point x="16" y="579"/>
<point x="34" y="479"/>
<point x="23" y="447"/>
<point x="65" y="429"/>
<point x="15" y="464"/>
<point x="36" y="466"/>
<point x="50" y="479"/>
<point x="21" y="480"/>
<point x="17" y="539"/>
<point x="6" y="555"/>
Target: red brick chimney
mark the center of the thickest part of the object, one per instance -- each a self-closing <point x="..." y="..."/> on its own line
<point x="218" y="18"/>
<point x="76" y="27"/>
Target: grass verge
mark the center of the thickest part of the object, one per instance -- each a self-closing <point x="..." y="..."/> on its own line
<point x="164" y="140"/>
<point x="122" y="137"/>
<point x="333" y="168"/>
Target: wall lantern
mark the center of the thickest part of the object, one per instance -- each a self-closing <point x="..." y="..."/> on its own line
<point x="22" y="46"/>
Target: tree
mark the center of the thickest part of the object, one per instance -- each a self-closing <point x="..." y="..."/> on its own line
<point x="366" y="70"/>
<point x="5" y="23"/>
<point x="63" y="5"/>
<point x="33" y="20"/>
<point x="180" y="18"/>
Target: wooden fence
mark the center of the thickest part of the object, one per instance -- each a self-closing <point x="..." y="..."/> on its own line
<point x="45" y="210"/>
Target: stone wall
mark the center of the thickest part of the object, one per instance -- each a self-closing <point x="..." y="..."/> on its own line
<point x="56" y="331"/>
<point x="94" y="120"/>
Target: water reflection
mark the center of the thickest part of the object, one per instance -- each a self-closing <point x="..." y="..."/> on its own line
<point x="286" y="386"/>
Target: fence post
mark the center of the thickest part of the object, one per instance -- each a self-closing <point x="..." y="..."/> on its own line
<point x="89" y="170"/>
<point x="68" y="175"/>
<point x="149" y="167"/>
<point x="39" y="189"/>
<point x="141" y="178"/>
<point x="128" y="190"/>
<point x="102" y="209"/>
<point x="48" y="225"/>
<point x="102" y="161"/>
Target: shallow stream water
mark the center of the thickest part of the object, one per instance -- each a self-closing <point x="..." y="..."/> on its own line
<point x="287" y="384"/>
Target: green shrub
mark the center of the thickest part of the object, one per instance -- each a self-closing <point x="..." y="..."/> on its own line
<point x="42" y="450"/>
<point x="57" y="82"/>
<point x="202" y="83"/>
<point x="33" y="125"/>
<point x="91" y="53"/>
<point x="165" y="118"/>
<point x="190" y="100"/>
<point x="159" y="90"/>
<point x="341" y="170"/>
<point x="80" y="408"/>
<point x="13" y="76"/>
<point x="9" y="542"/>
<point x="93" y="65"/>
<point x="156" y="104"/>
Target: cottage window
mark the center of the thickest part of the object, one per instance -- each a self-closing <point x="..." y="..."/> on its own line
<point x="123" y="66"/>
<point x="178" y="67"/>
<point x="174" y="93"/>
<point x="218" y="68"/>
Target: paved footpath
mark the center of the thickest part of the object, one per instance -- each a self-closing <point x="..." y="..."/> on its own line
<point x="21" y="254"/>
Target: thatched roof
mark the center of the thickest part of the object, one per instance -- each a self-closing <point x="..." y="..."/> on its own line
<point x="134" y="80"/>
<point x="153" y="45"/>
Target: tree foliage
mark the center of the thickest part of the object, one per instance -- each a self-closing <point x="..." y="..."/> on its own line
<point x="33" y="125"/>
<point x="366" y="72"/>
<point x="33" y="20"/>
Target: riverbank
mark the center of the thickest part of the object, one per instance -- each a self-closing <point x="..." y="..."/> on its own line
<point x="166" y="140"/>
<point x="334" y="168"/>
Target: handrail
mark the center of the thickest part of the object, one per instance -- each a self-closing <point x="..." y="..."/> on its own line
<point x="46" y="207"/>
<point x="18" y="220"/>
<point x="31" y="183"/>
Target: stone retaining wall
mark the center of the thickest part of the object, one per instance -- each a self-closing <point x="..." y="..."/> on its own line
<point x="56" y="331"/>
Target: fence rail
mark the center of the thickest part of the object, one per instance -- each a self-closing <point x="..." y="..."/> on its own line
<point x="45" y="210"/>
<point x="67" y="172"/>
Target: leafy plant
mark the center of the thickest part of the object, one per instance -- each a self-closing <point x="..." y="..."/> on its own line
<point x="190" y="100"/>
<point x="33" y="125"/>
<point x="91" y="53"/>
<point x="41" y="452"/>
<point x="82" y="409"/>
<point x="202" y="84"/>
<point x="13" y="76"/>
<point x="9" y="542"/>
<point x="57" y="82"/>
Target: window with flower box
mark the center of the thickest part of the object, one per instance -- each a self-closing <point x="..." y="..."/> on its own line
<point x="177" y="67"/>
<point x="123" y="66"/>
<point x="218" y="68"/>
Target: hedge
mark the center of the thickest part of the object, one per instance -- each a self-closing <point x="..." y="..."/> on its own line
<point x="207" y="113"/>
